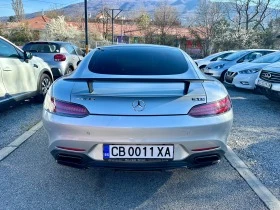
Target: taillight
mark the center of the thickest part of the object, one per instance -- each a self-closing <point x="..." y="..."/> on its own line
<point x="59" y="57"/>
<point x="210" y="109"/>
<point x="64" y="108"/>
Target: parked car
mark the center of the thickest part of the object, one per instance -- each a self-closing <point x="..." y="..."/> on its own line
<point x="62" y="57"/>
<point x="202" y="63"/>
<point x="268" y="81"/>
<point x="137" y="106"/>
<point x="218" y="69"/>
<point x="21" y="74"/>
<point x="244" y="75"/>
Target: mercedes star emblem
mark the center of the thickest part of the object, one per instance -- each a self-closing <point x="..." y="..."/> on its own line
<point x="138" y="105"/>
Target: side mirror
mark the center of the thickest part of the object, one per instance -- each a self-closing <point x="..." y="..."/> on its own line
<point x="27" y="55"/>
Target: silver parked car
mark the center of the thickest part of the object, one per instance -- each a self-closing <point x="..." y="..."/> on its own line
<point x="218" y="69"/>
<point x="268" y="81"/>
<point x="21" y="74"/>
<point x="202" y="63"/>
<point x="244" y="75"/>
<point x="137" y="106"/>
<point x="62" y="57"/>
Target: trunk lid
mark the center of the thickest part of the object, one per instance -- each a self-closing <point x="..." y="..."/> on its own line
<point x="125" y="98"/>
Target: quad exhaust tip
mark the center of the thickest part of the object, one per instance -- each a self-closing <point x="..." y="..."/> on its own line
<point x="207" y="159"/>
<point x="70" y="160"/>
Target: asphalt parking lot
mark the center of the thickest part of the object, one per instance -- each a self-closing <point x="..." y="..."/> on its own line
<point x="30" y="179"/>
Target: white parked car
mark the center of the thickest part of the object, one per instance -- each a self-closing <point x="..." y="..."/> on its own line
<point x="218" y="69"/>
<point x="202" y="63"/>
<point x="244" y="75"/>
<point x="21" y="74"/>
<point x="268" y="81"/>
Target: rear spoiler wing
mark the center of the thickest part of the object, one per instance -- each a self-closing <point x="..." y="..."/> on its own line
<point x="186" y="82"/>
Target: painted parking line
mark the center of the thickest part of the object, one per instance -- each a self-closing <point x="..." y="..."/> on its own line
<point x="4" y="152"/>
<point x="237" y="98"/>
<point x="264" y="194"/>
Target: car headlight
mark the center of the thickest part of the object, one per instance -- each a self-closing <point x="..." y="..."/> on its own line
<point x="249" y="71"/>
<point x="220" y="66"/>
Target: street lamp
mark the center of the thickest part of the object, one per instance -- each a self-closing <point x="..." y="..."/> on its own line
<point x="86" y="26"/>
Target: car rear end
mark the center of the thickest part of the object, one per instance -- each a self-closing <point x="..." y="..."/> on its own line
<point x="52" y="54"/>
<point x="137" y="107"/>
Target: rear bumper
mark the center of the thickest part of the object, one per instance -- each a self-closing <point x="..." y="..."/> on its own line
<point x="58" y="68"/>
<point x="83" y="161"/>
<point x="56" y="72"/>
<point x="186" y="133"/>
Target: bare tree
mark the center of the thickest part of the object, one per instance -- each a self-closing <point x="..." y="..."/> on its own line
<point x="248" y="14"/>
<point x="18" y="9"/>
<point x="165" y="18"/>
<point x="208" y="14"/>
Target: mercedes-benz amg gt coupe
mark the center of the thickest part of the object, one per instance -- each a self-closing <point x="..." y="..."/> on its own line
<point x="137" y="107"/>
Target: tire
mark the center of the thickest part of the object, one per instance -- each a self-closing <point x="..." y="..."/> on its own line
<point x="222" y="78"/>
<point x="69" y="70"/>
<point x="43" y="87"/>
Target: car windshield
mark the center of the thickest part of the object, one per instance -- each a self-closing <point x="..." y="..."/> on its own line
<point x="213" y="55"/>
<point x="138" y="61"/>
<point x="42" y="47"/>
<point x="234" y="56"/>
<point x="270" y="58"/>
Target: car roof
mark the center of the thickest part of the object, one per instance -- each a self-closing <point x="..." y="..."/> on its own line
<point x="131" y="46"/>
<point x="57" y="42"/>
<point x="250" y="50"/>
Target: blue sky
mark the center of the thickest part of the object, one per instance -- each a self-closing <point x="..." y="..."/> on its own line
<point x="31" y="6"/>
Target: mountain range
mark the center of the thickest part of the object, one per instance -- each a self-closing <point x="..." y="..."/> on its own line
<point x="129" y="7"/>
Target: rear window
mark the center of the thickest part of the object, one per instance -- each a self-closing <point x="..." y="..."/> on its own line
<point x="138" y="61"/>
<point x="42" y="47"/>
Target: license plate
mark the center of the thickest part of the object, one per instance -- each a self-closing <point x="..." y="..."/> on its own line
<point x="264" y="83"/>
<point x="138" y="151"/>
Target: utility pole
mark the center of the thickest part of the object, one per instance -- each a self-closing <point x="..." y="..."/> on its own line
<point x="86" y="26"/>
<point x="113" y="18"/>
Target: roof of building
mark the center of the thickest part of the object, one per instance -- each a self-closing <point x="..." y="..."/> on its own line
<point x="39" y="23"/>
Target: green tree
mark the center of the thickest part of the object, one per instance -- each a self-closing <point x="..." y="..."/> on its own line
<point x="12" y="19"/>
<point x="20" y="35"/>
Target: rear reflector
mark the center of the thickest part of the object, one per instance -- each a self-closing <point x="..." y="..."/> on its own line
<point x="59" y="57"/>
<point x="64" y="108"/>
<point x="210" y="109"/>
<point x="72" y="149"/>
<point x="204" y="149"/>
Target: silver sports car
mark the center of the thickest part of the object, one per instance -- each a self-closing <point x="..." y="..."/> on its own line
<point x="137" y="107"/>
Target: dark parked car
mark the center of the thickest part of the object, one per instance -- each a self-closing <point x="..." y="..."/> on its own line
<point x="62" y="57"/>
